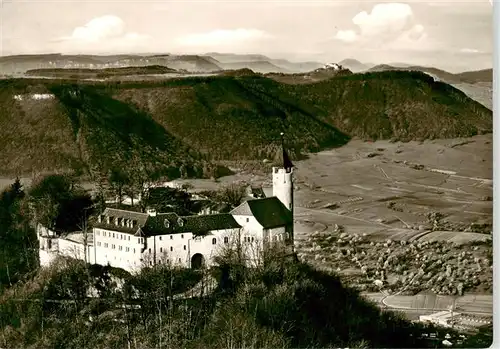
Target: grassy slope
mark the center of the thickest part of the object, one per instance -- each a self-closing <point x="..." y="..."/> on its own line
<point x="226" y="117"/>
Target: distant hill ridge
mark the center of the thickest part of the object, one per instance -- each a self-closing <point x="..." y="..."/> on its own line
<point x="215" y="62"/>
<point x="394" y="104"/>
<point x="23" y="63"/>
<point x="354" y="65"/>
<point x="98" y="73"/>
<point x="471" y="77"/>
<point x="268" y="65"/>
<point x="185" y="124"/>
<point x="193" y="63"/>
<point x="256" y="66"/>
<point x="483" y="75"/>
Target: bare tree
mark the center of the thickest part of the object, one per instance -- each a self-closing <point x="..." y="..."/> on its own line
<point x="83" y="226"/>
<point x="232" y="194"/>
<point x="118" y="180"/>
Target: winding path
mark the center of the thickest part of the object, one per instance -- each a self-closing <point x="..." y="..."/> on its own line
<point x="203" y="288"/>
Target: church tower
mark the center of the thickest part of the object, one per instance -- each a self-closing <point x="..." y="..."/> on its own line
<point x="283" y="179"/>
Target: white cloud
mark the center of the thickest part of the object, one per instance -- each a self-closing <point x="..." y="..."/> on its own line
<point x="417" y="32"/>
<point x="223" y="37"/>
<point x="390" y="17"/>
<point x="135" y="36"/>
<point x="414" y="39"/>
<point x="101" y="33"/>
<point x="100" y="28"/>
<point x="346" y="35"/>
<point x="469" y="50"/>
<point x="386" y="23"/>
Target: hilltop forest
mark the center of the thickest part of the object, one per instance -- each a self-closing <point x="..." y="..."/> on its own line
<point x="184" y="127"/>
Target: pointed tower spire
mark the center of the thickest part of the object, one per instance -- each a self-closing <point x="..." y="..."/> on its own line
<point x="287" y="163"/>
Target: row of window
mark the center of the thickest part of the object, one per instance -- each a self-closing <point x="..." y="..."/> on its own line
<point x="226" y="240"/>
<point x="161" y="262"/>
<point x="214" y="242"/>
<point x="141" y="240"/>
<point x="128" y="249"/>
<point x="171" y="237"/>
<point x="113" y="235"/>
<point x="171" y="249"/>
<point x="113" y="246"/>
<point x="127" y="237"/>
<point x="141" y="260"/>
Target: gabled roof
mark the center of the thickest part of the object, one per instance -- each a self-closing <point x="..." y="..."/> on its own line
<point x="168" y="223"/>
<point x="138" y="217"/>
<point x="156" y="225"/>
<point x="269" y="212"/>
<point x="218" y="221"/>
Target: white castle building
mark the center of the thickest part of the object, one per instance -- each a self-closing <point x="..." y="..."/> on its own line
<point x="131" y="240"/>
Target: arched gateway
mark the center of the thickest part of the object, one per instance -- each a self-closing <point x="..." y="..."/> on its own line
<point x="197" y="261"/>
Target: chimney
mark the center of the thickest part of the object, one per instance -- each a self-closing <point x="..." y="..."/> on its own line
<point x="99" y="218"/>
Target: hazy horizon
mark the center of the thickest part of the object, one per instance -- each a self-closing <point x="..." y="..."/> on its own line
<point x="454" y="36"/>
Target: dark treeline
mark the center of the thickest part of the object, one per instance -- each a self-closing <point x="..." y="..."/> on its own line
<point x="18" y="243"/>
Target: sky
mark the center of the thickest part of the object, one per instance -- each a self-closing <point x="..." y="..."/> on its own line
<point x="452" y="35"/>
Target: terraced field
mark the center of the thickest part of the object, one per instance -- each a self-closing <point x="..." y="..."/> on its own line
<point x="454" y="236"/>
<point x="386" y="190"/>
<point x="470" y="303"/>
